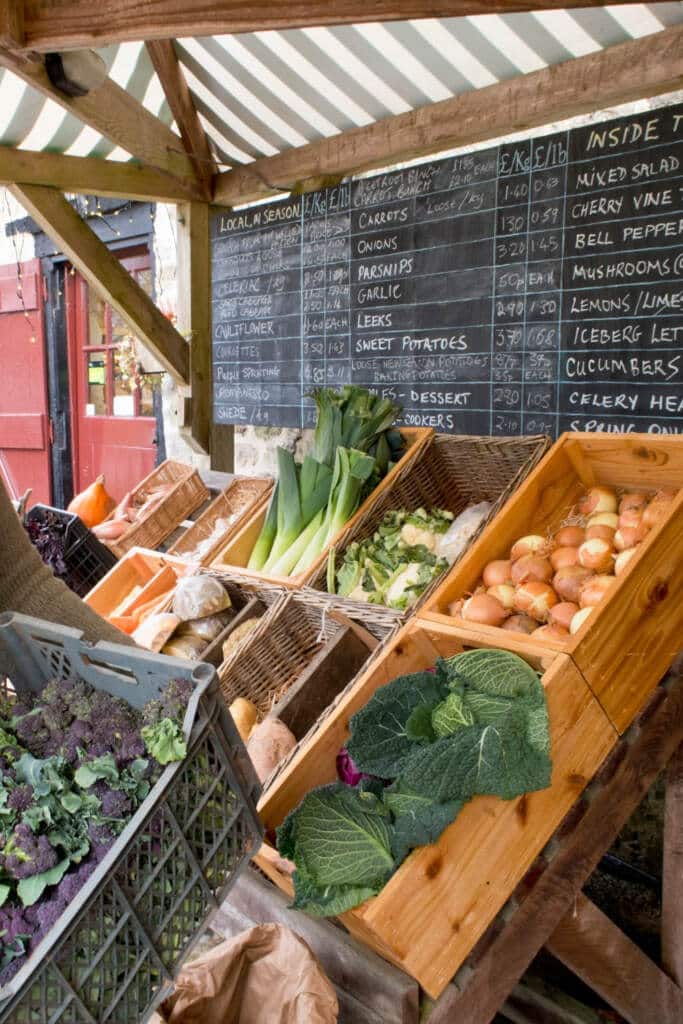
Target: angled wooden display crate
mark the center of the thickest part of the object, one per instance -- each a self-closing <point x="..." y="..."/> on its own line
<point x="630" y="639"/>
<point x="438" y="904"/>
<point x="234" y="505"/>
<point x="235" y="554"/>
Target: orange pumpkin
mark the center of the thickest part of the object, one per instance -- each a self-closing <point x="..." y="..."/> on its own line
<point x="93" y="505"/>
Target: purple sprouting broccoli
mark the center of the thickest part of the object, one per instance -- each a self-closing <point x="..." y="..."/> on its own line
<point x="172" y="703"/>
<point x="76" y="738"/>
<point x="101" y="839"/>
<point x="20" y="798"/>
<point x="13" y="923"/>
<point x="32" y="733"/>
<point x="114" y="802"/>
<point x="56" y="716"/>
<point x="27" y="854"/>
<point x="15" y="931"/>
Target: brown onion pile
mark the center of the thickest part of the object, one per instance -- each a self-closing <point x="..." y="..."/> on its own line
<point x="547" y="587"/>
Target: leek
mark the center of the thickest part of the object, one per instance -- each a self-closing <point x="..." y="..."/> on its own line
<point x="267" y="535"/>
<point x="287" y="564"/>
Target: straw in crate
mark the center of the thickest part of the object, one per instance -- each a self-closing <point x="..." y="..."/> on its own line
<point x="186" y="492"/>
<point x="112" y="953"/>
<point x="452" y="472"/>
<point x="222" y="519"/>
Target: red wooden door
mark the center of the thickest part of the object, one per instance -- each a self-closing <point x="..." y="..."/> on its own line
<point x="112" y="415"/>
<point x="24" y="419"/>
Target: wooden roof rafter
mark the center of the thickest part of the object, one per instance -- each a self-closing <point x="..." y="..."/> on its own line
<point x="68" y="24"/>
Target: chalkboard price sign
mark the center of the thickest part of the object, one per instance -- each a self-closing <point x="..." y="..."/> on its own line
<point x="533" y="287"/>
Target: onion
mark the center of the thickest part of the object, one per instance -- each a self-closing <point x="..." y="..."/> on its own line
<point x="631" y="517"/>
<point x="633" y="500"/>
<point x="657" y="511"/>
<point x="622" y="560"/>
<point x="629" y="536"/>
<point x="531" y="567"/>
<point x="455" y="607"/>
<point x="532" y="544"/>
<point x="520" y="624"/>
<point x="503" y="592"/>
<point x="600" y="532"/>
<point x="567" y="582"/>
<point x="598" y="499"/>
<point x="597" y="555"/>
<point x="610" y="519"/>
<point x="593" y="590"/>
<point x="551" y="632"/>
<point x="562" y="614"/>
<point x="535" y="599"/>
<point x="484" y="609"/>
<point x="497" y="572"/>
<point x="579" y="619"/>
<point x="562" y="557"/>
<point x="570" y="536"/>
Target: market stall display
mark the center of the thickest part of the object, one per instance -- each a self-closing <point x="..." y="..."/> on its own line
<point x="199" y="811"/>
<point x="626" y="629"/>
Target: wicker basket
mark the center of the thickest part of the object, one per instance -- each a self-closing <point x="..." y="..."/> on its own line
<point x="114" y="951"/>
<point x="452" y="472"/>
<point x="301" y="649"/>
<point x="241" y="497"/>
<point x="187" y="494"/>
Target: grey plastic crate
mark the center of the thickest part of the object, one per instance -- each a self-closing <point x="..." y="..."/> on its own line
<point x="113" y="954"/>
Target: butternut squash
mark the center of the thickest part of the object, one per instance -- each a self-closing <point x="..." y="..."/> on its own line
<point x="93" y="505"/>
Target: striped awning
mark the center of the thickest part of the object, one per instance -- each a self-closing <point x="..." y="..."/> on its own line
<point x="261" y="93"/>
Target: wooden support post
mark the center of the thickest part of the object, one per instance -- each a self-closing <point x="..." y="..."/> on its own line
<point x="104" y="272"/>
<point x="194" y="316"/>
<point x="646" y="750"/>
<point x="599" y="953"/>
<point x="11" y="22"/>
<point x="672" y="875"/>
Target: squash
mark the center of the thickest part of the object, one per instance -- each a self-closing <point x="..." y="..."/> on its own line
<point x="93" y="505"/>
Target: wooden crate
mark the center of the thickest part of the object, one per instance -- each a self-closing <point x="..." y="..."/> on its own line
<point x="138" y="568"/>
<point x="628" y="642"/>
<point x="235" y="554"/>
<point x="438" y="904"/>
<point x="241" y="497"/>
<point x="452" y="472"/>
<point x="187" y="494"/>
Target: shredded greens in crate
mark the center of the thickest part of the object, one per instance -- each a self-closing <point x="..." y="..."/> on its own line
<point x="419" y="750"/>
<point x="406" y="552"/>
<point x="76" y="765"/>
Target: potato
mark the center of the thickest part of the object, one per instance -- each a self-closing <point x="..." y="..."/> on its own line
<point x="269" y="743"/>
<point x="244" y="714"/>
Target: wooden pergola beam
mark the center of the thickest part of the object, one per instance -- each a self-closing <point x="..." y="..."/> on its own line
<point x="194" y="314"/>
<point x="107" y="275"/>
<point x="90" y="175"/>
<point x="114" y="113"/>
<point x="63" y="24"/>
<point x="628" y="71"/>
<point x="167" y="67"/>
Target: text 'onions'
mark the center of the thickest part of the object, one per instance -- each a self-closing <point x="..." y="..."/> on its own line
<point x="484" y="609"/>
<point x="497" y="572"/>
<point x="598" y="499"/>
<point x="535" y="599"/>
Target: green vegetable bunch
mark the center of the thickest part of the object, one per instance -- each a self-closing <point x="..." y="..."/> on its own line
<point x="354" y="446"/>
<point x="397" y="563"/>
<point x="477" y="725"/>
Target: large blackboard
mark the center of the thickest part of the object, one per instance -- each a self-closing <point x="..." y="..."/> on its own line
<point x="532" y="287"/>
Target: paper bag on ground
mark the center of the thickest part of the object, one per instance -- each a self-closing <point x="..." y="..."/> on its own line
<point x="266" y="975"/>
